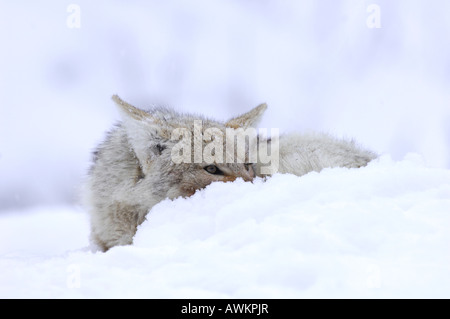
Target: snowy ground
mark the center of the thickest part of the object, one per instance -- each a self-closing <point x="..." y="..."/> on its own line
<point x="378" y="231"/>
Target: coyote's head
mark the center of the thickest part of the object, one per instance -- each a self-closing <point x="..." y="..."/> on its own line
<point x="180" y="153"/>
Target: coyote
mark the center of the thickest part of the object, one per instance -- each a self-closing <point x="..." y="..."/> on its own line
<point x="133" y="168"/>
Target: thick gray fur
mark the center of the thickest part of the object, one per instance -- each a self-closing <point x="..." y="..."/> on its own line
<point x="300" y="154"/>
<point x="133" y="170"/>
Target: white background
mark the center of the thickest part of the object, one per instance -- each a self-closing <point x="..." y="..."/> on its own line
<point x="315" y="62"/>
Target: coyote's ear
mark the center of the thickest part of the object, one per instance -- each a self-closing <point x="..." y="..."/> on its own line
<point x="146" y="133"/>
<point x="248" y="119"/>
<point x="129" y="110"/>
<point x="140" y="121"/>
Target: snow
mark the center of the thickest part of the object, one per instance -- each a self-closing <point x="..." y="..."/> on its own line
<point x="376" y="232"/>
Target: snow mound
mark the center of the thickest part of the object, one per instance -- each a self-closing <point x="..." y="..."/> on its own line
<point x="381" y="231"/>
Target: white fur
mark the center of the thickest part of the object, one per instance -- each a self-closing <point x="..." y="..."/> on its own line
<point x="301" y="154"/>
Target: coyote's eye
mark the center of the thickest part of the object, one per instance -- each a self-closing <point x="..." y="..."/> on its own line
<point x="247" y="166"/>
<point x="212" y="169"/>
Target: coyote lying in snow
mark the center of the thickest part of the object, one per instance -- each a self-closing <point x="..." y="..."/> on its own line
<point x="140" y="163"/>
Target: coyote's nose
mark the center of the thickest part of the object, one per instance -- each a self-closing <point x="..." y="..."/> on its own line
<point x="249" y="175"/>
